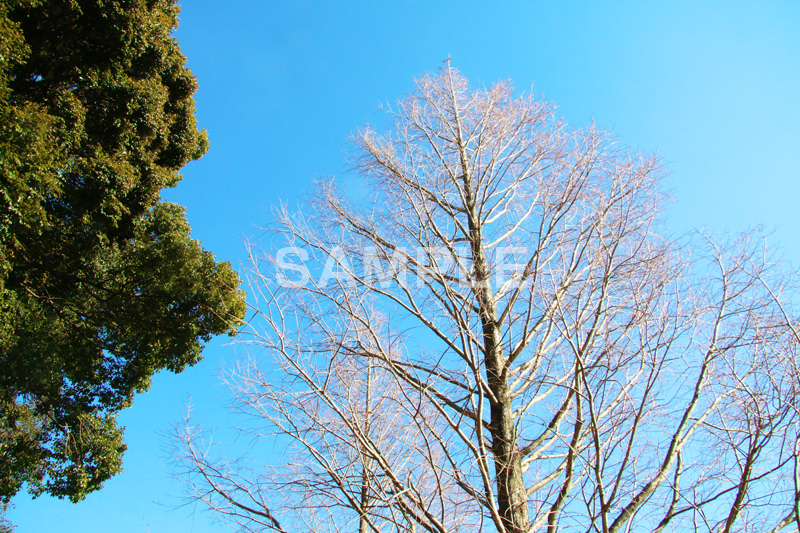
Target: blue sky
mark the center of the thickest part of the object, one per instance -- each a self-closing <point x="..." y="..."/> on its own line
<point x="713" y="88"/>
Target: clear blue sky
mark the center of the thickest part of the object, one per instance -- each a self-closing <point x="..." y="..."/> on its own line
<point x="713" y="87"/>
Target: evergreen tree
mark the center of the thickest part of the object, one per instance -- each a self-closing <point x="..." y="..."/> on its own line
<point x="101" y="285"/>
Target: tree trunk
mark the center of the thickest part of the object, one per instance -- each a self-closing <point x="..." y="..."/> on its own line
<point x="511" y="494"/>
<point x="512" y="500"/>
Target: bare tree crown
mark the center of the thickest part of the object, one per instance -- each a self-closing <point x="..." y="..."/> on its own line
<point x="500" y="340"/>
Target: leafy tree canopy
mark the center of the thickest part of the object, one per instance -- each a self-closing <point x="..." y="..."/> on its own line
<point x="101" y="285"/>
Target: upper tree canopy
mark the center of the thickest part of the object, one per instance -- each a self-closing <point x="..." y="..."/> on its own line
<point x="100" y="284"/>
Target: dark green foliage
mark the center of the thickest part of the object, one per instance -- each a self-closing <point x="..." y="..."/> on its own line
<point x="100" y="284"/>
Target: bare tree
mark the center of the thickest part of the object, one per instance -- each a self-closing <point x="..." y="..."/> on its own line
<point x="500" y="340"/>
